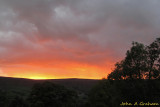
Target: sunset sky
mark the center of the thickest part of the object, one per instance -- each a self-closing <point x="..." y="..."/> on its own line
<point x="50" y="39"/>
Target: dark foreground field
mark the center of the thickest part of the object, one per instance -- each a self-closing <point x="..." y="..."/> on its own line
<point x="21" y="85"/>
<point x="18" y="92"/>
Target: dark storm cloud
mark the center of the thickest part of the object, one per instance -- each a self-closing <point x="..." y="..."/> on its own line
<point x="86" y="31"/>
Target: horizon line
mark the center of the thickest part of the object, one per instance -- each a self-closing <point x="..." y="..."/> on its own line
<point x="47" y="79"/>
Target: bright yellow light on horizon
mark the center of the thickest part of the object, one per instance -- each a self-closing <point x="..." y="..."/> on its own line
<point x="37" y="78"/>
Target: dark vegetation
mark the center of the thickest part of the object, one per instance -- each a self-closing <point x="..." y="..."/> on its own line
<point x="135" y="80"/>
<point x="19" y="92"/>
<point x="141" y="62"/>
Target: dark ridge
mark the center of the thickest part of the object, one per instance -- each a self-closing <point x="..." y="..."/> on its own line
<point x="10" y="83"/>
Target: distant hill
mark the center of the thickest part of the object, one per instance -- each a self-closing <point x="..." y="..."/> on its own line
<point x="22" y="86"/>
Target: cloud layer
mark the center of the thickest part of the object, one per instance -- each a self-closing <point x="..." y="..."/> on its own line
<point x="72" y="38"/>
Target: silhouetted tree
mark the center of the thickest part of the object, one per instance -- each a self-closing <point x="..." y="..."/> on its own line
<point x="153" y="59"/>
<point x="134" y="64"/>
<point x="118" y="73"/>
<point x="141" y="62"/>
<point x="48" y="94"/>
<point x="135" y="61"/>
<point x="129" y="80"/>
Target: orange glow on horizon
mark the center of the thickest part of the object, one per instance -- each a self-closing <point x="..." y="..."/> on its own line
<point x="61" y="71"/>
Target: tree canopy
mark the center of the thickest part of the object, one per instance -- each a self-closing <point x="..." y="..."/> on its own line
<point x="48" y="94"/>
<point x="141" y="62"/>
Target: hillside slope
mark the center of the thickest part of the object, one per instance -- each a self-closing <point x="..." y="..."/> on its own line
<point x="14" y="84"/>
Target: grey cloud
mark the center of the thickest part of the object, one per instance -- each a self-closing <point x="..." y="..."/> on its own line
<point x="107" y="26"/>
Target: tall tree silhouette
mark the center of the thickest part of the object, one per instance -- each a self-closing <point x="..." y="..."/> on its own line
<point x="141" y="62"/>
<point x="153" y="59"/>
<point x="135" y="61"/>
<point x="134" y="64"/>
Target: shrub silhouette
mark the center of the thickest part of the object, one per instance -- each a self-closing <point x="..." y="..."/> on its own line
<point x="48" y="94"/>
